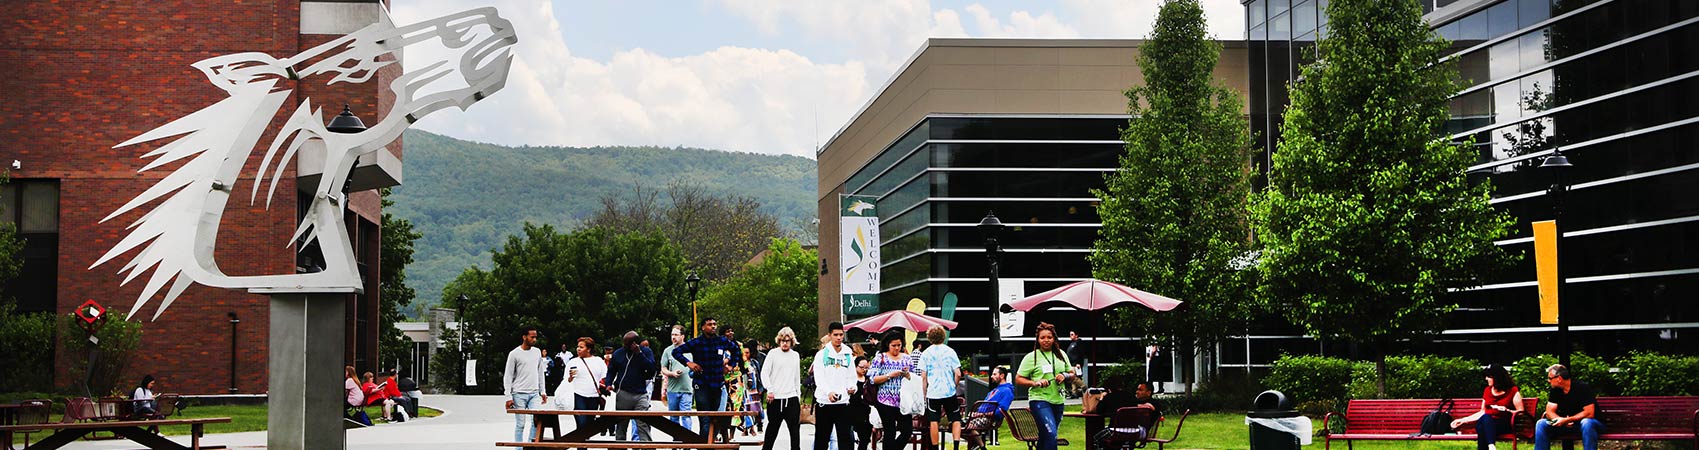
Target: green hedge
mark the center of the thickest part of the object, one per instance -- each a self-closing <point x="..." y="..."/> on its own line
<point x="26" y="350"/>
<point x="1530" y="374"/>
<point x="1648" y="373"/>
<point x="1423" y="376"/>
<point x="1311" y="378"/>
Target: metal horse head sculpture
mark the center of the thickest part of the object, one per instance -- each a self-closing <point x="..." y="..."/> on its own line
<point x="176" y="238"/>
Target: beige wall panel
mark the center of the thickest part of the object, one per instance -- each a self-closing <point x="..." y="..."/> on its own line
<point x="1019" y="56"/>
<point x="1096" y="56"/>
<point x="1097" y="77"/>
<point x="1026" y="101"/>
<point x="961" y="55"/>
<point x="1027" y="77"/>
<point x="1094" y="102"/>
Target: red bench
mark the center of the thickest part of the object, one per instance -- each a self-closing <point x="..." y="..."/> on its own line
<point x="1400" y="419"/>
<point x="1647" y="419"/>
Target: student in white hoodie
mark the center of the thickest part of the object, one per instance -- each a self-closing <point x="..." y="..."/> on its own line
<point x="781" y="375"/>
<point x="834" y="381"/>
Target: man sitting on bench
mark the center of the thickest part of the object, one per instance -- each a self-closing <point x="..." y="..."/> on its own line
<point x="1569" y="409"/>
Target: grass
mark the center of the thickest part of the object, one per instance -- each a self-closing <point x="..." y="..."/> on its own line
<point x="242" y="418"/>
<point x="1218" y="431"/>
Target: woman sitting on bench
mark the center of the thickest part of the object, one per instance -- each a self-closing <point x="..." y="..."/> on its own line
<point x="143" y="399"/>
<point x="1500" y="401"/>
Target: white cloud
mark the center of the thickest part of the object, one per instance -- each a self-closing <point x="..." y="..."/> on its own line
<point x="744" y="99"/>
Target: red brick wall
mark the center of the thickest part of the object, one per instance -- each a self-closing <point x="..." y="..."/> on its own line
<point x="81" y="76"/>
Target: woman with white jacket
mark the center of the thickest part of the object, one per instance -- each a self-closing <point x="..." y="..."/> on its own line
<point x="781" y="375"/>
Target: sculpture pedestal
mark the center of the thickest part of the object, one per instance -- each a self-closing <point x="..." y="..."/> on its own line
<point x="304" y="392"/>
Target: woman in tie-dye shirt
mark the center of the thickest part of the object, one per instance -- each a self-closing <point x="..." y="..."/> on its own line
<point x="889" y="370"/>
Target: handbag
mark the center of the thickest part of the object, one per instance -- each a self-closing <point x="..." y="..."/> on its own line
<point x="805" y="413"/>
<point x="1439" y="420"/>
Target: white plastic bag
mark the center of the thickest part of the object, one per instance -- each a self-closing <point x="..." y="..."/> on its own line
<point x="873" y="418"/>
<point x="913" y="400"/>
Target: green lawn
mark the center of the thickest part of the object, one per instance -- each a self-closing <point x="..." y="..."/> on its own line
<point x="1218" y="431"/>
<point x="242" y="418"/>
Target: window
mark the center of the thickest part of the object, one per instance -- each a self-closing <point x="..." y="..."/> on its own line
<point x="32" y="206"/>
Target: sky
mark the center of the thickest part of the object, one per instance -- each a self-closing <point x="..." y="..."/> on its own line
<point x="762" y="76"/>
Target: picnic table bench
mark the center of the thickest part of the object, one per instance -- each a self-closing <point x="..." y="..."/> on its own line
<point x="605" y="420"/>
<point x="1646" y="419"/>
<point x="134" y="430"/>
<point x="1401" y="420"/>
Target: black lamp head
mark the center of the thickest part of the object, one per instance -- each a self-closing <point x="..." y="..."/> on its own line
<point x="990" y="224"/>
<point x="1556" y="160"/>
<point x="692" y="280"/>
<point x="346" y="122"/>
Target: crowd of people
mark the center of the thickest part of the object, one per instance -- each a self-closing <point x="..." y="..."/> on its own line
<point x="859" y="395"/>
<point x="398" y="399"/>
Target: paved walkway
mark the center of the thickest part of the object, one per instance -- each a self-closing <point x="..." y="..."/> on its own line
<point x="468" y="422"/>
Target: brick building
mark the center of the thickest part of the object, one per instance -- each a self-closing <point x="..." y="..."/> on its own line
<point x="77" y="78"/>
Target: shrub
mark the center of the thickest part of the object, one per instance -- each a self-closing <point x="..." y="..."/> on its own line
<point x="1227" y="390"/>
<point x="1424" y="376"/>
<point x="1128" y="371"/>
<point x="1530" y="374"/>
<point x="1648" y="373"/>
<point x="26" y="350"/>
<point x="119" y="338"/>
<point x="1310" y="378"/>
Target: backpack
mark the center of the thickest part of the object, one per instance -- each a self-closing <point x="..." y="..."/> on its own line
<point x="1439" y="420"/>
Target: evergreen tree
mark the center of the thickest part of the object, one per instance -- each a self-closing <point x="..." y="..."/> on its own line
<point x="1368" y="219"/>
<point x="1174" y="215"/>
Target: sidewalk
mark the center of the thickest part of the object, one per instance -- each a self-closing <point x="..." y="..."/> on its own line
<point x="468" y="422"/>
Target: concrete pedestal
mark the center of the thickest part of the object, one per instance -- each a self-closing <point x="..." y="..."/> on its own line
<point x="305" y="394"/>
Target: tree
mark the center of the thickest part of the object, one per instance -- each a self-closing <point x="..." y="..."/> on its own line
<point x="590" y="282"/>
<point x="1174" y="214"/>
<point x="395" y="252"/>
<point x="777" y="292"/>
<point x="1368" y="220"/>
<point x="717" y="233"/>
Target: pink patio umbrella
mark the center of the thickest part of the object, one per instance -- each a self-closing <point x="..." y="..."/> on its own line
<point x="900" y="318"/>
<point x="1093" y="295"/>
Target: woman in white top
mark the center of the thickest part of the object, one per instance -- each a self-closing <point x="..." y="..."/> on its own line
<point x="584" y="373"/>
<point x="144" y="403"/>
<point x="781" y="375"/>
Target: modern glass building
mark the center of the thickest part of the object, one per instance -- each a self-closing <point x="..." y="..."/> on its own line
<point x="1025" y="128"/>
<point x="1614" y="84"/>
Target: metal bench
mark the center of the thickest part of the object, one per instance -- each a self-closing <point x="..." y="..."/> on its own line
<point x="1401" y="419"/>
<point x="1024" y="427"/>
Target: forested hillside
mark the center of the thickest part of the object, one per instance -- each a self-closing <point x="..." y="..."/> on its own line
<point x="467" y="197"/>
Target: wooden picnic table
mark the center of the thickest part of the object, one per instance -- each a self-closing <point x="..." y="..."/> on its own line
<point x="606" y="419"/>
<point x="134" y="430"/>
<point x="1093" y="424"/>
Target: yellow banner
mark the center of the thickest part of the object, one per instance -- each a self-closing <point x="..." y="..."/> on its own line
<point x="1545" y="266"/>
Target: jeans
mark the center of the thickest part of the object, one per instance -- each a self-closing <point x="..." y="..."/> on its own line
<point x="582" y="403"/>
<point x="708" y="399"/>
<point x="681" y="401"/>
<point x="1487" y="430"/>
<point x="1049" y="415"/>
<point x="524" y="400"/>
<point x="787" y="411"/>
<point x="1589" y="430"/>
<point x="627" y="401"/>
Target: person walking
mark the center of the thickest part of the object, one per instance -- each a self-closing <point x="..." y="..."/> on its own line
<point x="860" y="408"/>
<point x="834" y="378"/>
<point x="633" y="366"/>
<point x="522" y="381"/>
<point x="781" y="375"/>
<point x="584" y="373"/>
<point x="708" y="367"/>
<point x="678" y="384"/>
<point x="1042" y="372"/>
<point x="889" y="370"/>
<point x="942" y="370"/>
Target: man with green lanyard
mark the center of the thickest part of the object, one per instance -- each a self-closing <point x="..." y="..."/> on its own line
<point x="1042" y="372"/>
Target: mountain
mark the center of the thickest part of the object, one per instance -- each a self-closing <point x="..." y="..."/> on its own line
<point x="467" y="197"/>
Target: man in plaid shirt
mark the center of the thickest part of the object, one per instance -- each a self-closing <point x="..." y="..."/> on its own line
<point x="708" y="368"/>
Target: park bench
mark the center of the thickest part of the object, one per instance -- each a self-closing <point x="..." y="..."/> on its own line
<point x="1646" y="419"/>
<point x="134" y="430"/>
<point x="657" y="420"/>
<point x="1401" y="420"/>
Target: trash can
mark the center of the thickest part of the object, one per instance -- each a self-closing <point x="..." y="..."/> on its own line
<point x="1275" y="423"/>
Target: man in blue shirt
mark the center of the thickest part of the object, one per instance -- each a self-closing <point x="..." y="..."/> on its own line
<point x="707" y="366"/>
<point x="984" y="419"/>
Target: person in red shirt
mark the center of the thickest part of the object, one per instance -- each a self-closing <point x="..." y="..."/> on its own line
<point x="374" y="393"/>
<point x="1499" y="402"/>
<point x="392" y="397"/>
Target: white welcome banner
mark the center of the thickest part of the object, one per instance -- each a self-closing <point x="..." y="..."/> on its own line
<point x="858" y="254"/>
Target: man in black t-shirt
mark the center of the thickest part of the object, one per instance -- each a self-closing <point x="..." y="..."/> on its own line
<point x="1570" y="410"/>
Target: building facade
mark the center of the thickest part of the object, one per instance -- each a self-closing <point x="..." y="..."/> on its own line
<point x="82" y="76"/>
<point x="1024" y="128"/>
<point x="1612" y="83"/>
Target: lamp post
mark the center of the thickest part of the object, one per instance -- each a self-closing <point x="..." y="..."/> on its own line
<point x="233" y="352"/>
<point x="1558" y="164"/>
<point x="460" y="330"/>
<point x="691" y="282"/>
<point x="990" y="227"/>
